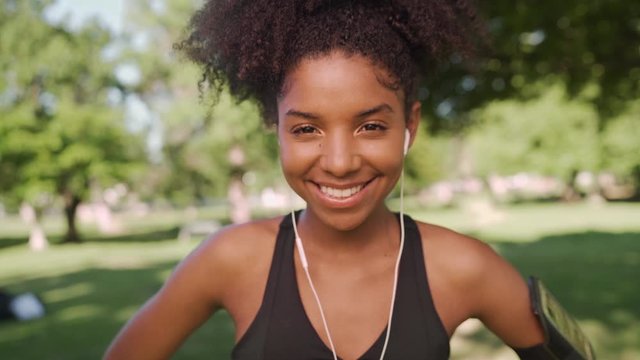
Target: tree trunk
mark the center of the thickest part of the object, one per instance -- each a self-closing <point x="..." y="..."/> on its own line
<point x="570" y="193"/>
<point x="71" y="202"/>
<point x="37" y="238"/>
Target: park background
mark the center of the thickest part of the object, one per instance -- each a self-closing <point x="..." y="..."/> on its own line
<point x="113" y="165"/>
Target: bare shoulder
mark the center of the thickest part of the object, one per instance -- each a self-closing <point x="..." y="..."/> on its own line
<point x="234" y="258"/>
<point x="468" y="279"/>
<point x="239" y="244"/>
<point x="458" y="257"/>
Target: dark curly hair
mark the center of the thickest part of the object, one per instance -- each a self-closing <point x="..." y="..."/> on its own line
<point x="252" y="44"/>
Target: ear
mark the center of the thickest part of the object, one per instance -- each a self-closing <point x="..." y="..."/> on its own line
<point x="413" y="120"/>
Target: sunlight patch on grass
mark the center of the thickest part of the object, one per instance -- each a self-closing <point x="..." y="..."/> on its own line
<point x="529" y="222"/>
<point x="120" y="262"/>
<point x="125" y="313"/>
<point x="19" y="264"/>
<point x="472" y="341"/>
<point x="623" y="317"/>
<point x="78" y="312"/>
<point x="621" y="340"/>
<point x="163" y="275"/>
<point x="67" y="293"/>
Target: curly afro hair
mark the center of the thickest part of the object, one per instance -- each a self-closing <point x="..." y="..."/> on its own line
<point x="250" y="45"/>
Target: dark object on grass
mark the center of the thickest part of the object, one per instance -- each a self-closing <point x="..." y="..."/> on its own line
<point x="22" y="307"/>
<point x="5" y="300"/>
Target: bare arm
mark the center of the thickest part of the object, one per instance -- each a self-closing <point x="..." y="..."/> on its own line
<point x="503" y="303"/>
<point x="192" y="293"/>
<point x="472" y="281"/>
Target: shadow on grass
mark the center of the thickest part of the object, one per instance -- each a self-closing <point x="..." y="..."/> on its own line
<point x="143" y="236"/>
<point x="7" y="242"/>
<point x="594" y="275"/>
<point x="170" y="233"/>
<point x="86" y="309"/>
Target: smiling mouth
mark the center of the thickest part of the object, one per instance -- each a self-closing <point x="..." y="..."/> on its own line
<point x="340" y="194"/>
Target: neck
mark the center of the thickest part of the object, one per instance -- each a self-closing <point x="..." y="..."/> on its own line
<point x="379" y="230"/>
<point x="305" y="266"/>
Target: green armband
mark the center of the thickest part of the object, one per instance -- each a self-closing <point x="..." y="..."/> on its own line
<point x="563" y="338"/>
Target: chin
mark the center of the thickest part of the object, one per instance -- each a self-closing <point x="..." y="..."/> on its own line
<point x="343" y="221"/>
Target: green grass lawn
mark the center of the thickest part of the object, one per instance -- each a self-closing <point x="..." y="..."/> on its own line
<point x="588" y="255"/>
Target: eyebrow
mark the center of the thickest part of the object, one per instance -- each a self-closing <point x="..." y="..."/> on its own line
<point x="310" y="116"/>
<point x="302" y="114"/>
<point x="375" y="110"/>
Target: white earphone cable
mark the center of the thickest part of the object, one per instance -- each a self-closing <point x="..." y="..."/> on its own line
<point x="305" y="266"/>
<point x="397" y="270"/>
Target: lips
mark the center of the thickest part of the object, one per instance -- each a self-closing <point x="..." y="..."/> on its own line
<point x="340" y="193"/>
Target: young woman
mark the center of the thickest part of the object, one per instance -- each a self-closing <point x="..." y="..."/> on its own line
<point x="345" y="277"/>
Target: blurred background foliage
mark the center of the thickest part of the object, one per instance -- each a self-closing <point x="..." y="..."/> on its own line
<point x="84" y="108"/>
<point x="95" y="120"/>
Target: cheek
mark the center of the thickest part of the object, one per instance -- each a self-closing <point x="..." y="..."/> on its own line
<point x="385" y="158"/>
<point x="286" y="163"/>
<point x="288" y="169"/>
<point x="295" y="159"/>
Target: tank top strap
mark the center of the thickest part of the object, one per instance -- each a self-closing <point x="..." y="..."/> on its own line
<point x="251" y="344"/>
<point x="436" y="334"/>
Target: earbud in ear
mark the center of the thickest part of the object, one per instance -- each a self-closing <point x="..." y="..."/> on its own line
<point x="407" y="138"/>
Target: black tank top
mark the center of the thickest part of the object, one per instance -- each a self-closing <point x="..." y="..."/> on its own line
<point x="282" y="331"/>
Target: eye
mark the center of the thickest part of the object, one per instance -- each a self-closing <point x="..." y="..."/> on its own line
<point x="304" y="129"/>
<point x="373" y="127"/>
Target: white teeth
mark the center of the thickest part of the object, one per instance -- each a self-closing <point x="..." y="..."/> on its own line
<point x="340" y="193"/>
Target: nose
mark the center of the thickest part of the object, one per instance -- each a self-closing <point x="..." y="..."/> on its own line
<point x="340" y="155"/>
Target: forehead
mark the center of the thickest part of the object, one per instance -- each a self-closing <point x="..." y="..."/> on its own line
<point x="337" y="80"/>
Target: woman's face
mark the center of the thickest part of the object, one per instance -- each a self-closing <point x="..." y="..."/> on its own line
<point x="341" y="134"/>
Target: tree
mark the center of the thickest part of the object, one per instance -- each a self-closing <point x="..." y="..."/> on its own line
<point x="430" y="159"/>
<point x="584" y="48"/>
<point x="585" y="45"/>
<point x="207" y="150"/>
<point x="60" y="131"/>
<point x="551" y="135"/>
<point x="621" y="145"/>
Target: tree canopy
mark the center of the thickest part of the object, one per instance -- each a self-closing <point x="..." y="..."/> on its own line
<point x="61" y="132"/>
<point x="589" y="45"/>
<point x="554" y="90"/>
